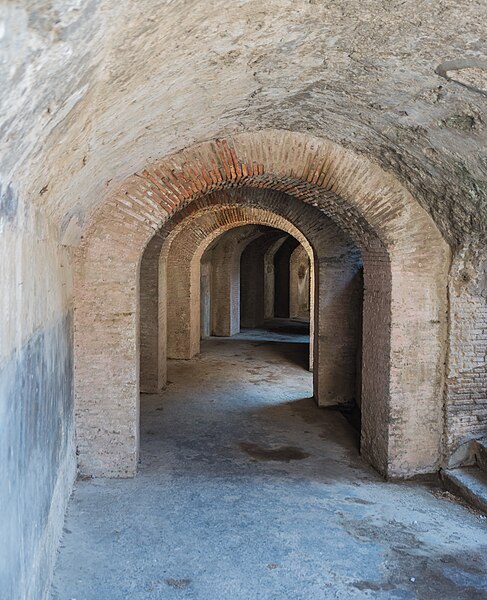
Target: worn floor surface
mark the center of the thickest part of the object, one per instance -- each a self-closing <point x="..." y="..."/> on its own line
<point x="247" y="491"/>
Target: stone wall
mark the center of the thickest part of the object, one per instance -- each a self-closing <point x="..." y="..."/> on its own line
<point x="253" y="279"/>
<point x="36" y="398"/>
<point x="270" y="279"/>
<point x="299" y="284"/>
<point x="466" y="377"/>
<point x="217" y="234"/>
<point x="83" y="107"/>
<point x="338" y="297"/>
<point x="152" y="303"/>
<point x="205" y="298"/>
<point x="83" y="100"/>
<point x="225" y="286"/>
<point x="371" y="207"/>
<point x="282" y="278"/>
<point x="202" y="227"/>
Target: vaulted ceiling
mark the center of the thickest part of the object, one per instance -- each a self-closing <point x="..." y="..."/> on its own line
<point x="92" y="91"/>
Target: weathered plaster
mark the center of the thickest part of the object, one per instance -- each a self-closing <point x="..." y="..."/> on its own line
<point x="36" y="399"/>
<point x="361" y="74"/>
<point x="93" y="92"/>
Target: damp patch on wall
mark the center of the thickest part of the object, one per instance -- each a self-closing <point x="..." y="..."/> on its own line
<point x="36" y="410"/>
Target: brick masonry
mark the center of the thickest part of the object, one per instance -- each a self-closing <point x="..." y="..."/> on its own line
<point x="253" y="278"/>
<point x="466" y="377"/>
<point x="182" y="250"/>
<point x="369" y="205"/>
<point x="187" y="241"/>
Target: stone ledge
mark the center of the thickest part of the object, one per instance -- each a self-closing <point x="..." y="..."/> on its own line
<point x="470" y="483"/>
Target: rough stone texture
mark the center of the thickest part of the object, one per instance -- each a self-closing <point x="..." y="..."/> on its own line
<point x="337" y="305"/>
<point x="93" y="92"/>
<point x="282" y="278"/>
<point x="181" y="246"/>
<point x="469" y="483"/>
<point x="466" y="378"/>
<point x="205" y="297"/>
<point x="361" y="74"/>
<point x="299" y="284"/>
<point x="152" y="320"/>
<point x="269" y="292"/>
<point x="269" y="279"/>
<point x="252" y="279"/>
<point x="225" y="283"/>
<point x="338" y="296"/>
<point x="376" y="343"/>
<point x="36" y="399"/>
<point x="183" y="255"/>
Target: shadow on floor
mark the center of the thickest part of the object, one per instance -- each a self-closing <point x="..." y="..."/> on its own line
<point x="287" y="340"/>
<point x="296" y="353"/>
<point x="293" y="439"/>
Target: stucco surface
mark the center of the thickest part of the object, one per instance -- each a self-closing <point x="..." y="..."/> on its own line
<point x="37" y="454"/>
<point x="93" y="91"/>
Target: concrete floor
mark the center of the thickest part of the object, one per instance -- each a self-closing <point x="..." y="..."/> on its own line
<point x="247" y="491"/>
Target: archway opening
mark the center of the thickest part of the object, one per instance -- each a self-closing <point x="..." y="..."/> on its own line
<point x="234" y="284"/>
<point x="208" y="276"/>
<point x="405" y="263"/>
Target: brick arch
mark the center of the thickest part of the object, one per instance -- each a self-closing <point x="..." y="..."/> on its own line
<point x="404" y="328"/>
<point x="223" y="217"/>
<point x="174" y="256"/>
<point x="211" y="225"/>
<point x="303" y="218"/>
<point x="323" y="241"/>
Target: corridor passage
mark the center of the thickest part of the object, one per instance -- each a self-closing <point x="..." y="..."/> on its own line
<point x="247" y="491"/>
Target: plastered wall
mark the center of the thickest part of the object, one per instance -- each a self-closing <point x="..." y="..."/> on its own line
<point x="37" y="455"/>
<point x="299" y="284"/>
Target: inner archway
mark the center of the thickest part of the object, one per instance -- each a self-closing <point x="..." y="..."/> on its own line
<point x="173" y="261"/>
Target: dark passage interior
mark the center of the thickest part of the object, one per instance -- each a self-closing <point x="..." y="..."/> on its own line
<point x="286" y="338"/>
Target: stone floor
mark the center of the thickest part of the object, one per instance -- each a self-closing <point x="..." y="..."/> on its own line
<point x="247" y="491"/>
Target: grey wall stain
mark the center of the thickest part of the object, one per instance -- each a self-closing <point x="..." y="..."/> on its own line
<point x="8" y="203"/>
<point x="36" y="409"/>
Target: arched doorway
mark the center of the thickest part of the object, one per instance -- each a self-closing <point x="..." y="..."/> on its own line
<point x="405" y="268"/>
